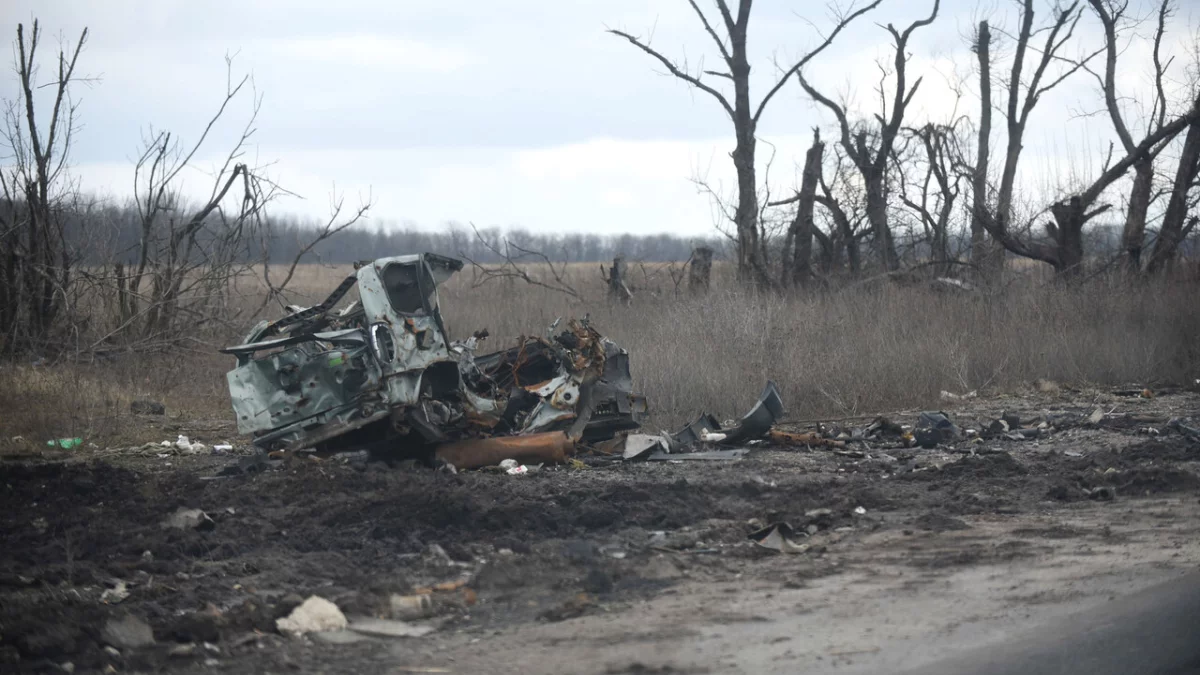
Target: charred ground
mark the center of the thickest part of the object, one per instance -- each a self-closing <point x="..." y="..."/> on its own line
<point x="354" y="530"/>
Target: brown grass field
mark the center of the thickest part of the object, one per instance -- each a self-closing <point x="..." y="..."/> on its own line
<point x="874" y="347"/>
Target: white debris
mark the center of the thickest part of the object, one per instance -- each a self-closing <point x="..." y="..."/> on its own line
<point x="509" y="464"/>
<point x="518" y="470"/>
<point x="187" y="447"/>
<point x="189" y="519"/>
<point x="314" y="615"/>
<point x="712" y="437"/>
<point x="637" y="445"/>
<point x="116" y="594"/>
<point x="222" y="448"/>
<point x="858" y="510"/>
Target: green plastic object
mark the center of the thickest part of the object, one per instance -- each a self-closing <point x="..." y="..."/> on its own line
<point x="65" y="443"/>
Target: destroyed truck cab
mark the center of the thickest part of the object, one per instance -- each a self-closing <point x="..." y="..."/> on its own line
<point x="382" y="373"/>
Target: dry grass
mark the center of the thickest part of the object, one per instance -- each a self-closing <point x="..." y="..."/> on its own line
<point x="878" y="347"/>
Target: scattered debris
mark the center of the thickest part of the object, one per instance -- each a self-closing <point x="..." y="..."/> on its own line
<point x="127" y="632"/>
<point x="1178" y="425"/>
<point x="934" y="428"/>
<point x="949" y="396"/>
<point x="114" y="595"/>
<point x="411" y="606"/>
<point x="778" y="537"/>
<point x="809" y="439"/>
<point x="147" y="407"/>
<point x="753" y="425"/>
<point x="1096" y="417"/>
<point x="185" y="445"/>
<point x="189" y="519"/>
<point x="314" y="615"/>
<point x="222" y="448"/>
<point x="642" y="445"/>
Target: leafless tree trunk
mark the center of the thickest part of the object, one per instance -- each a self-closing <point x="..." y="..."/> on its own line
<point x="986" y="254"/>
<point x="618" y="291"/>
<point x="1173" y="230"/>
<point x="796" y="268"/>
<point x="700" y="270"/>
<point x="731" y="43"/>
<point x="35" y="260"/>
<point x="872" y="163"/>
<point x="1111" y="14"/>
<point x="1063" y="250"/>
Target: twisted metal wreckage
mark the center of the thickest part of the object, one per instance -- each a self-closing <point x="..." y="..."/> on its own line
<point x="382" y="374"/>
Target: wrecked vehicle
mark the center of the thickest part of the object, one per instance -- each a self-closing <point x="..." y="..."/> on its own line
<point x="383" y="373"/>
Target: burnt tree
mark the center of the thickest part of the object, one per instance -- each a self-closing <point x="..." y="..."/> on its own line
<point x="730" y="36"/>
<point x="1111" y="15"/>
<point x="35" y="259"/>
<point x="1173" y="230"/>
<point x="871" y="160"/>
<point x="797" y="244"/>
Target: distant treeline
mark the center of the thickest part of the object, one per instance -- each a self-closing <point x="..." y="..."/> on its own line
<point x="111" y="233"/>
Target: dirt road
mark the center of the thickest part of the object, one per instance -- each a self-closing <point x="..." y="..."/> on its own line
<point x="914" y="555"/>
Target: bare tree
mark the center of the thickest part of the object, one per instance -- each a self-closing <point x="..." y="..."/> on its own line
<point x="938" y="189"/>
<point x="731" y="43"/>
<point x="1064" y="249"/>
<point x="986" y="254"/>
<point x="516" y="265"/>
<point x="1173" y="230"/>
<point x="189" y="256"/>
<point x="844" y="204"/>
<point x="871" y="158"/>
<point x="35" y="259"/>
<point x="1112" y="15"/>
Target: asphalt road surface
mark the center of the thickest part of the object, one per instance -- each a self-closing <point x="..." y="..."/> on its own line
<point x="1152" y="632"/>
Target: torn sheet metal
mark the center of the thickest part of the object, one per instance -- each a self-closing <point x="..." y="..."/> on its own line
<point x="639" y="446"/>
<point x="778" y="537"/>
<point x="753" y="425"/>
<point x="384" y="373"/>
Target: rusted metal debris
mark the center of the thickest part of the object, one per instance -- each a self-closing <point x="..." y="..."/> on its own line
<point x="383" y="373"/>
<point x="552" y="447"/>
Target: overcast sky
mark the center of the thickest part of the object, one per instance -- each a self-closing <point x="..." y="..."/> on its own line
<point x="517" y="113"/>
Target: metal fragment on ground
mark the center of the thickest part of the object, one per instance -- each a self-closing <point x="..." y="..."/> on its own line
<point x="753" y="425"/>
<point x="778" y="537"/>
<point x="552" y="447"/>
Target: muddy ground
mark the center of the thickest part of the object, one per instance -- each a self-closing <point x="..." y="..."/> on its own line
<point x="601" y="567"/>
